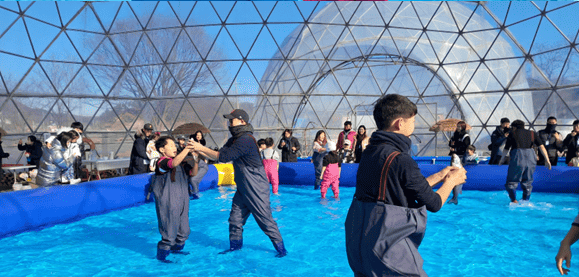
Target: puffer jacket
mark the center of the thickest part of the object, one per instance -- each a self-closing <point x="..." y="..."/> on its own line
<point x="52" y="165"/>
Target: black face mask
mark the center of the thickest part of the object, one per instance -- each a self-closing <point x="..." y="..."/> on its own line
<point x="506" y="130"/>
<point x="551" y="128"/>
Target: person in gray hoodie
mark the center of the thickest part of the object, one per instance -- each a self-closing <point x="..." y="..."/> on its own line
<point x="252" y="195"/>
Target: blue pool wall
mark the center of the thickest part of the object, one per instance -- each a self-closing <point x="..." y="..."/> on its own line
<point x="39" y="208"/>
<point x="28" y="210"/>
<point x="483" y="177"/>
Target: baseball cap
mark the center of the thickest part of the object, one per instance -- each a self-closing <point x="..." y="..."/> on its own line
<point x="239" y="114"/>
<point x="148" y="126"/>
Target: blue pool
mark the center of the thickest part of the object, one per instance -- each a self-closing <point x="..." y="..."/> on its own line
<point x="482" y="236"/>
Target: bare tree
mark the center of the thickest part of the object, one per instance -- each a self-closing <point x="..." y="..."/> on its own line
<point x="166" y="63"/>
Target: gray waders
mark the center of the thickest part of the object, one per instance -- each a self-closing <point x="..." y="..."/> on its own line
<point x="383" y="239"/>
<point x="172" y="205"/>
<point x="196" y="180"/>
<point x="521" y="168"/>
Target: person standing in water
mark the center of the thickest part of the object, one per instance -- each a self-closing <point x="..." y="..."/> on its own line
<point x="252" y="195"/>
<point x="386" y="221"/>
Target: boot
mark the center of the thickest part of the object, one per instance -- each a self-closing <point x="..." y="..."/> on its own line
<point x="281" y="251"/>
<point x="233" y="246"/>
<point x="178" y="249"/>
<point x="162" y="255"/>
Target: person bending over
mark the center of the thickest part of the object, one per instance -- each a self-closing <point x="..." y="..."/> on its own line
<point x="386" y="221"/>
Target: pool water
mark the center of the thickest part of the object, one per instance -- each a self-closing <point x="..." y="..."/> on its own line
<point x="482" y="236"/>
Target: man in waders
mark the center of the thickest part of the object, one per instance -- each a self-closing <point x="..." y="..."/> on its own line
<point x="252" y="195"/>
<point x="387" y="218"/>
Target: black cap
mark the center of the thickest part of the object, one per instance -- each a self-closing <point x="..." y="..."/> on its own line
<point x="239" y="114"/>
<point x="504" y="120"/>
<point x="148" y="126"/>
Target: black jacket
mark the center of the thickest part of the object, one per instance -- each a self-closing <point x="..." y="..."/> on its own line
<point x="2" y="154"/>
<point x="572" y="146"/>
<point x="250" y="177"/>
<point x="550" y="144"/>
<point x="407" y="187"/>
<point x="287" y="154"/>
<point x="497" y="138"/>
<point x="35" y="151"/>
<point x="139" y="160"/>
<point x="461" y="142"/>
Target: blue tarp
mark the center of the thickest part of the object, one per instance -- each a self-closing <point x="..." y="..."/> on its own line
<point x="37" y="208"/>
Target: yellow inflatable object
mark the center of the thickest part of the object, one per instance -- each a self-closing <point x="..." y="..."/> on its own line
<point x="226" y="174"/>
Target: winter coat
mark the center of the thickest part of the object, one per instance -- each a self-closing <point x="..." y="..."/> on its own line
<point x="52" y="164"/>
<point x="35" y="151"/>
<point x="287" y="154"/>
<point x="139" y="161"/>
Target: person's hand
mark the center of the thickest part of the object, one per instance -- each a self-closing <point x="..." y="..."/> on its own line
<point x="193" y="145"/>
<point x="448" y="169"/>
<point x="564" y="254"/>
<point x="20" y="141"/>
<point x="48" y="145"/>
<point x="457" y="177"/>
<point x="282" y="143"/>
<point x="322" y="150"/>
<point x="293" y="149"/>
<point x="451" y="149"/>
<point x="548" y="164"/>
<point x="507" y="134"/>
<point x="573" y="133"/>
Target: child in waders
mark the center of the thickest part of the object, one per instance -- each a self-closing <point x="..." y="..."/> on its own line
<point x="171" y="190"/>
<point x="332" y="167"/>
<point x="270" y="160"/>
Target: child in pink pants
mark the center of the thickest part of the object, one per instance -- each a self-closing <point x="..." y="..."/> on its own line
<point x="270" y="160"/>
<point x="332" y="167"/>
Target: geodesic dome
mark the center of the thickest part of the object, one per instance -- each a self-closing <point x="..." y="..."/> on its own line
<point x="302" y="65"/>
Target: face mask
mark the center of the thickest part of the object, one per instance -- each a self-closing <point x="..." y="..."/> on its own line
<point x="505" y="130"/>
<point x="551" y="127"/>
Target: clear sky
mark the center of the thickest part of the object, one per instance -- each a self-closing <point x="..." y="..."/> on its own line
<point x="15" y="40"/>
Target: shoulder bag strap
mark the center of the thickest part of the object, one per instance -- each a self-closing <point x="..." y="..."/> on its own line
<point x="257" y="149"/>
<point x="384" y="175"/>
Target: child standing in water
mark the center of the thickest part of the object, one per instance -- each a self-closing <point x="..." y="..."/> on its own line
<point x="331" y="170"/>
<point x="171" y="190"/>
<point x="271" y="163"/>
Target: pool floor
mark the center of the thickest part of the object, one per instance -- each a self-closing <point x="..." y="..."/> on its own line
<point x="482" y="236"/>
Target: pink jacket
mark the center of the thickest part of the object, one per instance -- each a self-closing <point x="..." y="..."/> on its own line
<point x="351" y="138"/>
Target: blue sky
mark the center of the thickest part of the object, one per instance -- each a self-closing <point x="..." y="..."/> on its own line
<point x="16" y="40"/>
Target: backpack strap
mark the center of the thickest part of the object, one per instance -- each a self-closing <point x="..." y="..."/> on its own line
<point x="384" y="175"/>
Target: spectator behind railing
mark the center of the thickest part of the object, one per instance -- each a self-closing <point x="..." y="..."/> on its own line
<point x="2" y="156"/>
<point x="53" y="163"/>
<point x="33" y="149"/>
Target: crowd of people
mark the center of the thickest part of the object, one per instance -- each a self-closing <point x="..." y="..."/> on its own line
<point x="391" y="197"/>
